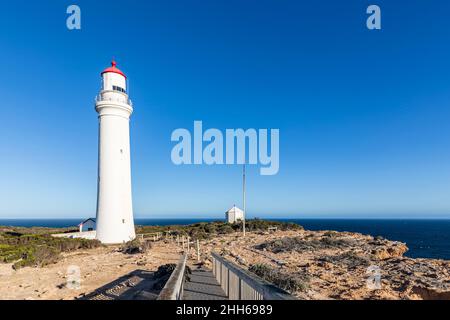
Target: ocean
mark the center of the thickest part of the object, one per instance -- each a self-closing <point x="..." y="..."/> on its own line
<point x="424" y="238"/>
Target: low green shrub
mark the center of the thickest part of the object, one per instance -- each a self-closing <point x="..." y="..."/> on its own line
<point x="207" y="230"/>
<point x="350" y="260"/>
<point x="288" y="282"/>
<point x="136" y="246"/>
<point x="37" y="249"/>
<point x="298" y="244"/>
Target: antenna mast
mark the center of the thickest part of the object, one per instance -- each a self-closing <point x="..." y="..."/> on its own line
<point x="243" y="198"/>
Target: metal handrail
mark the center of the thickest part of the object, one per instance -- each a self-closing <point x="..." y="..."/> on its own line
<point x="240" y="284"/>
<point x="173" y="290"/>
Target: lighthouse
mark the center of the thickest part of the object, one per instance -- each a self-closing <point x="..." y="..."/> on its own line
<point x="114" y="203"/>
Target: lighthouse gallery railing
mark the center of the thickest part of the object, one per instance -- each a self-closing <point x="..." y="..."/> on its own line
<point x="100" y="98"/>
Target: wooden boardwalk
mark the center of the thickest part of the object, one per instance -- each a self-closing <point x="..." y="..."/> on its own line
<point x="202" y="285"/>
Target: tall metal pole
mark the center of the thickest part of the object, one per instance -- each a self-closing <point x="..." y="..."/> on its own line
<point x="243" y="196"/>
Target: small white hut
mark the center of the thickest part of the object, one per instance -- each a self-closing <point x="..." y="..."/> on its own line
<point x="234" y="215"/>
<point x="87" y="225"/>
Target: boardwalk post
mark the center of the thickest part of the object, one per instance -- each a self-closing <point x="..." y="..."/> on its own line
<point x="198" y="251"/>
<point x="188" y="240"/>
<point x="240" y="289"/>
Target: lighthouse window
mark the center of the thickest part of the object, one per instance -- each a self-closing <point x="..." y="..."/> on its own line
<point x="116" y="88"/>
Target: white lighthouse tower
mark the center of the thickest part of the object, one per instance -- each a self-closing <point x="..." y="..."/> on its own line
<point x="114" y="204"/>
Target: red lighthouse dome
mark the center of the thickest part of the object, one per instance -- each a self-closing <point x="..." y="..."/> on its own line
<point x="114" y="69"/>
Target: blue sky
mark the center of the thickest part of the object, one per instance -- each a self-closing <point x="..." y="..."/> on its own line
<point x="363" y="115"/>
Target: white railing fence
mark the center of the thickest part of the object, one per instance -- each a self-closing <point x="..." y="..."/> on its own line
<point x="173" y="290"/>
<point x="240" y="284"/>
<point x="155" y="236"/>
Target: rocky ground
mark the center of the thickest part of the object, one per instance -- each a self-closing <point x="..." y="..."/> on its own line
<point x="332" y="265"/>
<point x="100" y="268"/>
<point x="320" y="264"/>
